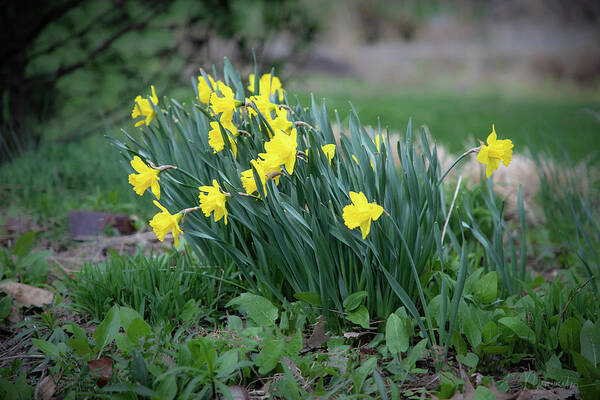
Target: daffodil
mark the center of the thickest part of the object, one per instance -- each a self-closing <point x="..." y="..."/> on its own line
<point x="163" y="222"/>
<point x="204" y="89"/>
<point x="143" y="108"/>
<point x="262" y="169"/>
<point x="281" y="150"/>
<point x="494" y="152"/>
<point x="360" y="213"/>
<point x="212" y="200"/>
<point x="215" y="138"/>
<point x="267" y="84"/>
<point x="224" y="103"/>
<point x="379" y="139"/>
<point x="145" y="178"/>
<point x="329" y="151"/>
<point x="280" y="122"/>
<point x="263" y="104"/>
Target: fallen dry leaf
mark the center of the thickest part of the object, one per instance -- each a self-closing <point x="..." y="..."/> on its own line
<point x="45" y="389"/>
<point x="26" y="294"/>
<point x="101" y="370"/>
<point x="318" y="336"/>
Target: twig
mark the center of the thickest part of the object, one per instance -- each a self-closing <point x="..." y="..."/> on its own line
<point x="574" y="294"/>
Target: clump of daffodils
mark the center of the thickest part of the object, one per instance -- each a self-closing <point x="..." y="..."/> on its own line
<point x="264" y="107"/>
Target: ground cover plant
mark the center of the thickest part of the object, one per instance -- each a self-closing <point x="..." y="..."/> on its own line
<point x="310" y="265"/>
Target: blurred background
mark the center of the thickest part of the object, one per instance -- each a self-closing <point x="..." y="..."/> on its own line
<point x="71" y="69"/>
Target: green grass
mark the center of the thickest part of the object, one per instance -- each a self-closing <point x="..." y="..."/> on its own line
<point x="542" y="118"/>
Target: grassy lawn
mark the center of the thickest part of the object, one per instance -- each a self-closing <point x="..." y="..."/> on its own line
<point x="546" y="120"/>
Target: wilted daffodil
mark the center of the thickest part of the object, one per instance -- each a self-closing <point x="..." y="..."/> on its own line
<point x="360" y="213"/>
<point x="281" y="150"/>
<point x="145" y="178"/>
<point x="494" y="152"/>
<point x="163" y="222"/>
<point x="143" y="108"/>
<point x="215" y="138"/>
<point x="212" y="200"/>
<point x="267" y="85"/>
<point x="225" y="103"/>
<point x="204" y="89"/>
<point x="329" y="151"/>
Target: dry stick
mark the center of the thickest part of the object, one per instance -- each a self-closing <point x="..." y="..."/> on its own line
<point x="304" y="124"/>
<point x="451" y="207"/>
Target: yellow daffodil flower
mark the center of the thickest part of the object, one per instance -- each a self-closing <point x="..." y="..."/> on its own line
<point x="263" y="104"/>
<point x="164" y="222"/>
<point x="379" y="139"/>
<point x="280" y="122"/>
<point x="281" y="150"/>
<point x="267" y="85"/>
<point x="360" y="213"/>
<point x="262" y="169"/>
<point x="143" y="108"/>
<point x="215" y="139"/>
<point x="204" y="89"/>
<point x="223" y="104"/>
<point x="145" y="178"/>
<point x="212" y="200"/>
<point x="494" y="152"/>
<point x="329" y="151"/>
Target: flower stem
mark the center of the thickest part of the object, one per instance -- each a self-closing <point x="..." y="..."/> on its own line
<point x="466" y="153"/>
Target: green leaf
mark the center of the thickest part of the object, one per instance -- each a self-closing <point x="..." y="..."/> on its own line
<point x="354" y="300"/>
<point x="485" y="289"/>
<point x="268" y="358"/>
<point x="568" y="335"/>
<point x="590" y="342"/>
<point x="489" y="333"/>
<point x="396" y="335"/>
<point x="519" y="327"/>
<point x="108" y="329"/>
<point x="138" y="328"/>
<point x="555" y="372"/>
<point x="227" y="363"/>
<point x="361" y="373"/>
<point x="138" y="370"/>
<point x="585" y="367"/>
<point x="167" y="388"/>
<point x="258" y="309"/>
<point x="359" y="317"/>
<point x="309" y="297"/>
<point x="35" y="266"/>
<point x="80" y="347"/>
<point x="127" y="315"/>
<point x="190" y="311"/>
<point x="294" y="346"/>
<point x="5" y="304"/>
<point x="483" y="393"/>
<point x="23" y="244"/>
<point x="470" y="360"/>
<point x="49" y="349"/>
<point x="529" y="379"/>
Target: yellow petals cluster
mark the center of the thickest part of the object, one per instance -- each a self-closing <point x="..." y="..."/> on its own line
<point x="143" y="108"/>
<point x="212" y="200"/>
<point x="360" y="213"/>
<point x="205" y="89"/>
<point x="163" y="223"/>
<point x="223" y="103"/>
<point x="329" y="151"/>
<point x="281" y="151"/>
<point x="215" y="138"/>
<point x="268" y="84"/>
<point x="494" y="152"/>
<point x="145" y="178"/>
